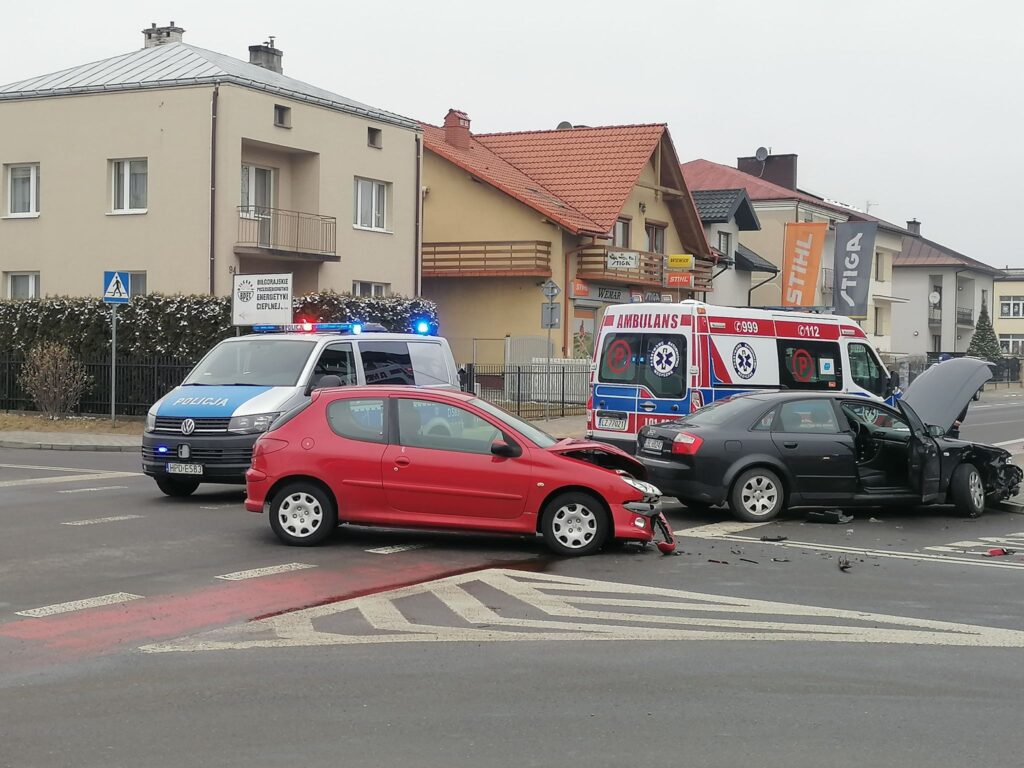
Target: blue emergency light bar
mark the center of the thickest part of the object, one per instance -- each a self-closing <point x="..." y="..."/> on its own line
<point x="353" y="328"/>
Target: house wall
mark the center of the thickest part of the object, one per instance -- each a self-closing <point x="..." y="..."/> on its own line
<point x="1010" y="329"/>
<point x="959" y="289"/>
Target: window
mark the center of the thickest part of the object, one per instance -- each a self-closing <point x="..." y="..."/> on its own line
<point x="725" y="243"/>
<point x="865" y="370"/>
<point x="257" y="362"/>
<point x="809" y="364"/>
<point x="655" y="361"/>
<point x="336" y="360"/>
<point x="358" y="419"/>
<point x="936" y="343"/>
<point x="23" y="190"/>
<point x="137" y="284"/>
<point x="1012" y="344"/>
<point x="22" y="285"/>
<point x="807" y="416"/>
<point x="364" y="288"/>
<point x="620" y="235"/>
<point x="655" y="238"/>
<point x="375" y="137"/>
<point x="427" y="424"/>
<point x="130" y="185"/>
<point x="872" y="414"/>
<point x="371" y="204"/>
<point x="879" y="322"/>
<point x="282" y="116"/>
<point x="429" y="364"/>
<point x="387" y="362"/>
<point x="1011" y="306"/>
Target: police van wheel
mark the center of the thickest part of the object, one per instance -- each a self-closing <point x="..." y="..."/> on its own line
<point x="173" y="486"/>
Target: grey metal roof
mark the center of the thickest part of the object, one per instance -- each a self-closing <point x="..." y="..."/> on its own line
<point x="179" y="64"/>
<point x="748" y="261"/>
<point x="718" y="206"/>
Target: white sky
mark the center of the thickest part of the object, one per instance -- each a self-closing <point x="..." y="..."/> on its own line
<point x="915" y="105"/>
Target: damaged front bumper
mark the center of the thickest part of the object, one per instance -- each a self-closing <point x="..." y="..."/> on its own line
<point x="649" y="524"/>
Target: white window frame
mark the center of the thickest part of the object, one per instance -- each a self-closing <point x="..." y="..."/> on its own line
<point x="124" y="164"/>
<point x="33" y="191"/>
<point x="376" y="290"/>
<point x="247" y="208"/>
<point x="33" y="285"/>
<point x="1016" y="306"/>
<point x="1012" y="344"/>
<point x="377" y="212"/>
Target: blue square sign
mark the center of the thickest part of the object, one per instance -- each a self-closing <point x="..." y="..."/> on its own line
<point x="116" y="287"/>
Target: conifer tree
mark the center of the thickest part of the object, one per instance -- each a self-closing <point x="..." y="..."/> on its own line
<point x="984" y="343"/>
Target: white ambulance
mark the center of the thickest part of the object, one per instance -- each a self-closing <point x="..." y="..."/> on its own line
<point x="657" y="362"/>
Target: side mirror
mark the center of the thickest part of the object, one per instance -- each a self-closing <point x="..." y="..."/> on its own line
<point x="935" y="431"/>
<point x="505" y="450"/>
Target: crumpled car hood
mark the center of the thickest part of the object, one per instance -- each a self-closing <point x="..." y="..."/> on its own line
<point x="600" y="454"/>
<point x="940" y="393"/>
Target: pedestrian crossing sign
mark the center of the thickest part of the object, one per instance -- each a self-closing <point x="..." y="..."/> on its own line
<point x="116" y="287"/>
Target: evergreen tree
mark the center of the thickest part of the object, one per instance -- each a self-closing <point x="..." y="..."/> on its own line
<point x="984" y="343"/>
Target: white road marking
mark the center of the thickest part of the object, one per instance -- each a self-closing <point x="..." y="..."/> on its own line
<point x="49" y="469"/>
<point x="714" y="530"/>
<point x="395" y="548"/>
<point x="80" y="605"/>
<point x="91" y="490"/>
<point x="96" y="520"/>
<point x="1008" y="442"/>
<point x="217" y="506"/>
<point x="66" y="479"/>
<point x="537" y="606"/>
<point x="1010" y="541"/>
<point x="255" y="573"/>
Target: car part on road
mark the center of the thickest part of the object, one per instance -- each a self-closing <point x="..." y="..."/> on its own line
<point x="175" y="487"/>
<point x="828" y="516"/>
<point x="774" y="538"/>
<point x="574" y="524"/>
<point x="1000" y="552"/>
<point x="756" y="495"/>
<point x="302" y="515"/>
<point x="967" y="490"/>
<point x="844" y="564"/>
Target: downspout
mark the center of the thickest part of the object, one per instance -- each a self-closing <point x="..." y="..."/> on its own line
<point x="566" y="299"/>
<point x="213" y="182"/>
<point x="704" y="294"/>
<point x="753" y="288"/>
<point x="418" y="246"/>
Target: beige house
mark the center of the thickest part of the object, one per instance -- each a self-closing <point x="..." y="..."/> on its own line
<point x="595" y="210"/>
<point x="184" y="166"/>
<point x="1008" y="311"/>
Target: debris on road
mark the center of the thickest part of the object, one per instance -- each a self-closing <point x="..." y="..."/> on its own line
<point x="774" y="538"/>
<point x="745" y="560"/>
<point x="780" y="559"/>
<point x="1000" y="552"/>
<point x="828" y="516"/>
<point x="844" y="563"/>
<point x="718" y="562"/>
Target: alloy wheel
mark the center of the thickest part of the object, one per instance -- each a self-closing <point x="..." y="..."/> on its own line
<point x="977" y="489"/>
<point x="759" y="495"/>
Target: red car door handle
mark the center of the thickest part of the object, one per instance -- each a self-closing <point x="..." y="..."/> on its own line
<point x="402" y="461"/>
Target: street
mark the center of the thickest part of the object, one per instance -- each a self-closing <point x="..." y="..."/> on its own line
<point x="134" y="626"/>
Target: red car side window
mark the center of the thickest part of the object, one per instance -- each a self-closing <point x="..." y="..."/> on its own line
<point x="358" y="419"/>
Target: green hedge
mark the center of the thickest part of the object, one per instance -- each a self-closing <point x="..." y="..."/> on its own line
<point x="176" y="326"/>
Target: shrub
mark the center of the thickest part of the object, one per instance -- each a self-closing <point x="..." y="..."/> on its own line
<point x="54" y="379"/>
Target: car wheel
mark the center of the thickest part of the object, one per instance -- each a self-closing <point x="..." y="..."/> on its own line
<point x="574" y="524"/>
<point x="968" y="490"/>
<point x="173" y="486"/>
<point x="302" y="515"/>
<point x="757" y="495"/>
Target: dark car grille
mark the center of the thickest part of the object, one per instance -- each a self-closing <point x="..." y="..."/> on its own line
<point x="202" y="455"/>
<point x="172" y="424"/>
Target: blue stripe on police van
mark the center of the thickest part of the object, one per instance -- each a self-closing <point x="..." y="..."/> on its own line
<point x="207" y="402"/>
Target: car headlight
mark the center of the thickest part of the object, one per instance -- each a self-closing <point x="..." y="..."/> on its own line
<point x="645" y="488"/>
<point x="151" y="421"/>
<point x="251" y="424"/>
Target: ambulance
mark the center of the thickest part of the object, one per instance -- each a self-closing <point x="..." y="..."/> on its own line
<point x="657" y="362"/>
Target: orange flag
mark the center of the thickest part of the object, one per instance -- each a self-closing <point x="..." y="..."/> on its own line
<point x="801" y="262"/>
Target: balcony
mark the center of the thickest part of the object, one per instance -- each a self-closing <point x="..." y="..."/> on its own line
<point x="965" y="316"/>
<point x="612" y="264"/>
<point x="934" y="316"/>
<point x="487" y="258"/>
<point x="276" y="233"/>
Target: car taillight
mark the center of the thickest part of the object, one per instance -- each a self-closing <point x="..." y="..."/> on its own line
<point x="687" y="444"/>
<point x="267" y="445"/>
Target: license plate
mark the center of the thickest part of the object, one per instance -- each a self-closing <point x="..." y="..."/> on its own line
<point x="651" y="444"/>
<point x="184" y="469"/>
<point x="611" y="422"/>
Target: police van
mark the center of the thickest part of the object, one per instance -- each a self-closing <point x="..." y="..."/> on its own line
<point x="204" y="430"/>
<point x="656" y="362"/>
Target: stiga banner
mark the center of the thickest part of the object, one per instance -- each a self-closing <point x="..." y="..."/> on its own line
<point x="801" y="262"/>
<point x="855" y="249"/>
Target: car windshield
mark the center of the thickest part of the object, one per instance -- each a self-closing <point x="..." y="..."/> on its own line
<point x="541" y="438"/>
<point x="715" y="413"/>
<point x="253" y="362"/>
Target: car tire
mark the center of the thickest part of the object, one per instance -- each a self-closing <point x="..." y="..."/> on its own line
<point x="757" y="495"/>
<point x="574" y="524"/>
<point x="968" y="490"/>
<point x="302" y="515"/>
<point x="176" y="487"/>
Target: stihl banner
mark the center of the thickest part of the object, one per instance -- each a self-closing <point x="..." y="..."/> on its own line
<point x="801" y="262"/>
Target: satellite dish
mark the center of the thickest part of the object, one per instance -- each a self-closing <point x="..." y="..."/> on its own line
<point x="934" y="298"/>
<point x="761" y="155"/>
<point x="564" y="125"/>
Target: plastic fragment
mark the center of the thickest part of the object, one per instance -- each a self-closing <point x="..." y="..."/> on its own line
<point x="844" y="564"/>
<point x="1000" y="552"/>
<point x="774" y="538"/>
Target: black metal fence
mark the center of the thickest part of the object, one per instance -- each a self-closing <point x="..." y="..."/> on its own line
<point x="532" y="390"/>
<point x="1006" y="371"/>
<point x="140" y="383"/>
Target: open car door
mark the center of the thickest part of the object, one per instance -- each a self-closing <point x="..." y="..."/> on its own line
<point x="923" y="463"/>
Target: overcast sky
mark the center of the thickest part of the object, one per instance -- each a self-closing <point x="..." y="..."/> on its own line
<point x="913" y="105"/>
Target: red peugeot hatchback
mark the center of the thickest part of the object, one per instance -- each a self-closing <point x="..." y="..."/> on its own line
<point x="397" y="456"/>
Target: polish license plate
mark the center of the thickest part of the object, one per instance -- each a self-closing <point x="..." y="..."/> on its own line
<point x="650" y="444"/>
<point x="184" y="469"/>
<point x="612" y="422"/>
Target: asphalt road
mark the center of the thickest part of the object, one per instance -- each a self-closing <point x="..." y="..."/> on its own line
<point x="391" y="648"/>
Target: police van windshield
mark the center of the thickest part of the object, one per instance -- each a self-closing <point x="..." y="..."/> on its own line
<point x="252" y="362"/>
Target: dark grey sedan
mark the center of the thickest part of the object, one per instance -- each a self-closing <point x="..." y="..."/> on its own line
<point x="763" y="452"/>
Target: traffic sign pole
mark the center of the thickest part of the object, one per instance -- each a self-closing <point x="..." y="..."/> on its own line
<point x="113" y="363"/>
<point x="116" y="290"/>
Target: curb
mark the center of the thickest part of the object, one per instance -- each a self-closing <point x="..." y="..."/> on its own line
<point x="69" y="447"/>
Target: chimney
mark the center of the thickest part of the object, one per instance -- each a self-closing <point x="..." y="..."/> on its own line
<point x="778" y="169"/>
<point x="456" y="129"/>
<point x="266" y="55"/>
<point x="914" y="227"/>
<point x="162" y="35"/>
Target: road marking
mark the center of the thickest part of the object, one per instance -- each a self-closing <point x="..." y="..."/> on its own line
<point x="217" y="506"/>
<point x="714" y="530"/>
<point x="98" y="488"/>
<point x="50" y="469"/>
<point x="96" y="520"/>
<point x="1008" y="442"/>
<point x="1011" y="540"/>
<point x="66" y="479"/>
<point x="506" y="605"/>
<point x="80" y="605"/>
<point x="255" y="573"/>
<point x="395" y="548"/>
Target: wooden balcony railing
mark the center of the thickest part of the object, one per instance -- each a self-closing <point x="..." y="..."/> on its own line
<point x="612" y="264"/>
<point x="487" y="258"/>
<point x="274" y="229"/>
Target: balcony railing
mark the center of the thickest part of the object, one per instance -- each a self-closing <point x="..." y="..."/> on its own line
<point x="620" y="265"/>
<point x="274" y="229"/>
<point x="965" y="316"/>
<point x="934" y="315"/>
<point x="488" y="258"/>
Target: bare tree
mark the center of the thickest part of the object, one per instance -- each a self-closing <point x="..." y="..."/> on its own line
<point x="54" y="379"/>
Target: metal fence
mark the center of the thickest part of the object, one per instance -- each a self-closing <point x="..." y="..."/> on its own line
<point x="532" y="391"/>
<point x="1006" y="371"/>
<point x="140" y="383"/>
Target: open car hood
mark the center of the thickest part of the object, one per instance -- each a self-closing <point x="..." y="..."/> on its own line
<point x="940" y="393"/>
<point x="600" y="454"/>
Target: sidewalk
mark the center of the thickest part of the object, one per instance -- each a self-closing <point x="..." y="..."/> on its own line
<point x="570" y="426"/>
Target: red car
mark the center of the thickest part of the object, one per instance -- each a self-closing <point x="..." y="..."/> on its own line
<point x="396" y="456"/>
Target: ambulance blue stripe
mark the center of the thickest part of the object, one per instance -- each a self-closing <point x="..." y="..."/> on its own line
<point x="207" y="402"/>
